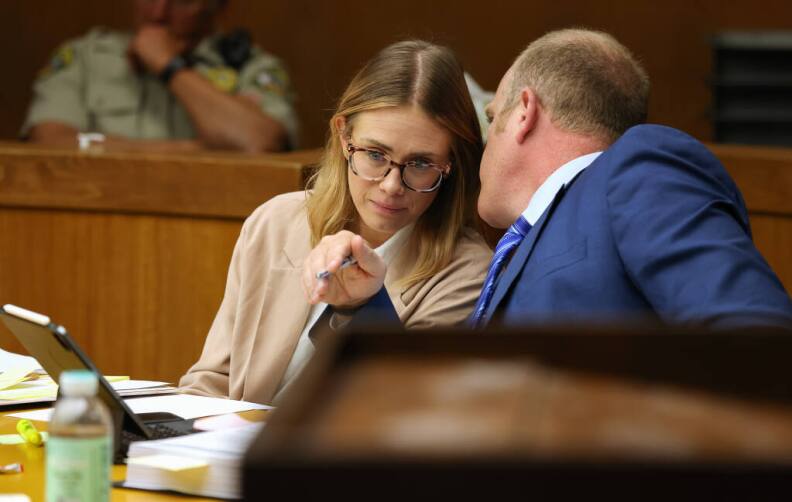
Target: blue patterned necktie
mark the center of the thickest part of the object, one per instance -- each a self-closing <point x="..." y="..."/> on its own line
<point x="508" y="243"/>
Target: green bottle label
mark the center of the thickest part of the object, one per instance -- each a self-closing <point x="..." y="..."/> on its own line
<point x="78" y="469"/>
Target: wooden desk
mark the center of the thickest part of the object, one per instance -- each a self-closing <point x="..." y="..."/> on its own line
<point x="129" y="251"/>
<point x="635" y="411"/>
<point x="31" y="481"/>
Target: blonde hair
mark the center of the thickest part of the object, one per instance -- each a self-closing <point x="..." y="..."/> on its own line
<point x="420" y="74"/>
<point x="588" y="81"/>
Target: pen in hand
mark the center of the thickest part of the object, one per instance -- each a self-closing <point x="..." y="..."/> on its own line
<point x="348" y="261"/>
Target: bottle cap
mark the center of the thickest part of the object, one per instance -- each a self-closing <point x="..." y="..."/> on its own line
<point x="78" y="383"/>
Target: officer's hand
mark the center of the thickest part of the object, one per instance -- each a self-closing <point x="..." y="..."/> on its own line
<point x="154" y="46"/>
<point x="348" y="287"/>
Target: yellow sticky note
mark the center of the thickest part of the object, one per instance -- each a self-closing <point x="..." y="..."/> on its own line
<point x="168" y="462"/>
<point x="116" y="378"/>
<point x="38" y="388"/>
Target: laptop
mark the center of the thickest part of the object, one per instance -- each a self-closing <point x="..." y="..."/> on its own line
<point x="56" y="351"/>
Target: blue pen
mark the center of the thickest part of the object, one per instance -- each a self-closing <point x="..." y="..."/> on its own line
<point x="348" y="261"/>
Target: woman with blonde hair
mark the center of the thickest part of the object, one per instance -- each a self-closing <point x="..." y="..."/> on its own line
<point x="399" y="176"/>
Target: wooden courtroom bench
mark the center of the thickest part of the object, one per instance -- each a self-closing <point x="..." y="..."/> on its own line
<point x="129" y="251"/>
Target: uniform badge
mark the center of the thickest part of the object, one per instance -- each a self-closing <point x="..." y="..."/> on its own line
<point x="223" y="77"/>
<point x="272" y="81"/>
<point x="62" y="58"/>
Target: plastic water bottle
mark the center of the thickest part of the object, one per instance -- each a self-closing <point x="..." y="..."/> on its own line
<point x="80" y="446"/>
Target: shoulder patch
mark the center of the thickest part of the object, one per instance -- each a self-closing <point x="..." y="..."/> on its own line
<point x="62" y="58"/>
<point x="272" y="80"/>
<point x="223" y="77"/>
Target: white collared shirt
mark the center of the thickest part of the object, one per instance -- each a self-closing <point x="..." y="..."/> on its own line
<point x="545" y="194"/>
<point x="388" y="250"/>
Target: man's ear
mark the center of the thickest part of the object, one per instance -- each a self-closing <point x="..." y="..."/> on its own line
<point x="528" y="113"/>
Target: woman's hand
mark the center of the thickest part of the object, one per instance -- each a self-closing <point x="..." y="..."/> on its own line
<point x="347" y="287"/>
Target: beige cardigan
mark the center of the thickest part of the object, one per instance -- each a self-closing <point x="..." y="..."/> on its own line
<point x="264" y="310"/>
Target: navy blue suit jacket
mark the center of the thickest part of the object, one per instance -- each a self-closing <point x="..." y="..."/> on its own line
<point x="655" y="228"/>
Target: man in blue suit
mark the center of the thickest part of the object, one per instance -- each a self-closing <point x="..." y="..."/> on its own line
<point x="609" y="220"/>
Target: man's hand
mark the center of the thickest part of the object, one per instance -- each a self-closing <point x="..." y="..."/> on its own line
<point x="349" y="287"/>
<point x="154" y="46"/>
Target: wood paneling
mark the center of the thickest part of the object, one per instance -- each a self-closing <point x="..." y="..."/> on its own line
<point x="764" y="176"/>
<point x="137" y="292"/>
<point x="773" y="237"/>
<point x="136" y="276"/>
<point x="323" y="43"/>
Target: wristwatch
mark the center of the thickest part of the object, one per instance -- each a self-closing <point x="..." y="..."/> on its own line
<point x="174" y="66"/>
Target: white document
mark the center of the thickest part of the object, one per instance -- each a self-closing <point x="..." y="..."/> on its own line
<point x="10" y="359"/>
<point x="14" y="497"/>
<point x="183" y="405"/>
<point x="136" y="384"/>
<point x="44" y="390"/>
<point x="216" y="459"/>
<point x="220" y="422"/>
<point x="40" y="415"/>
<point x="188" y="406"/>
<point x="223" y="444"/>
<point x="14" y="368"/>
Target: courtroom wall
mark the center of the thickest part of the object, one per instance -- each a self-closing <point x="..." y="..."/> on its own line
<point x="323" y="42"/>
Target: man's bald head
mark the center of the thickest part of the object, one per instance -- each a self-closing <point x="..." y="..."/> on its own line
<point x="587" y="81"/>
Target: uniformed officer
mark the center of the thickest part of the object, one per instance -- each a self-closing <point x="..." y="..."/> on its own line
<point x="171" y="85"/>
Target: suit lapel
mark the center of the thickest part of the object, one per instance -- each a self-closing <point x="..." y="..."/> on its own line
<point x="520" y="257"/>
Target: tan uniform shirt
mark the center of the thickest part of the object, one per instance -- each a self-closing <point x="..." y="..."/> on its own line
<point x="264" y="311"/>
<point x="91" y="85"/>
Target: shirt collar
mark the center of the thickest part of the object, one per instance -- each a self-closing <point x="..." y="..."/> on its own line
<point x="545" y="194"/>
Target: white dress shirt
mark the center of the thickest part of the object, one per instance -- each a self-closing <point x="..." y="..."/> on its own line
<point x="388" y="250"/>
<point x="545" y="194"/>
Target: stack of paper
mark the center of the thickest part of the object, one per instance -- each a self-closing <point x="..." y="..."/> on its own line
<point x="41" y="389"/>
<point x="11" y="359"/>
<point x="208" y="464"/>
<point x="23" y="381"/>
<point x="16" y="368"/>
<point x="182" y="405"/>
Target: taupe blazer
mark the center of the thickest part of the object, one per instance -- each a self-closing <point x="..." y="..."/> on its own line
<point x="264" y="311"/>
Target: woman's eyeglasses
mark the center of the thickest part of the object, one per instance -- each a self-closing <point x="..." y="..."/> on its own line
<point x="417" y="175"/>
